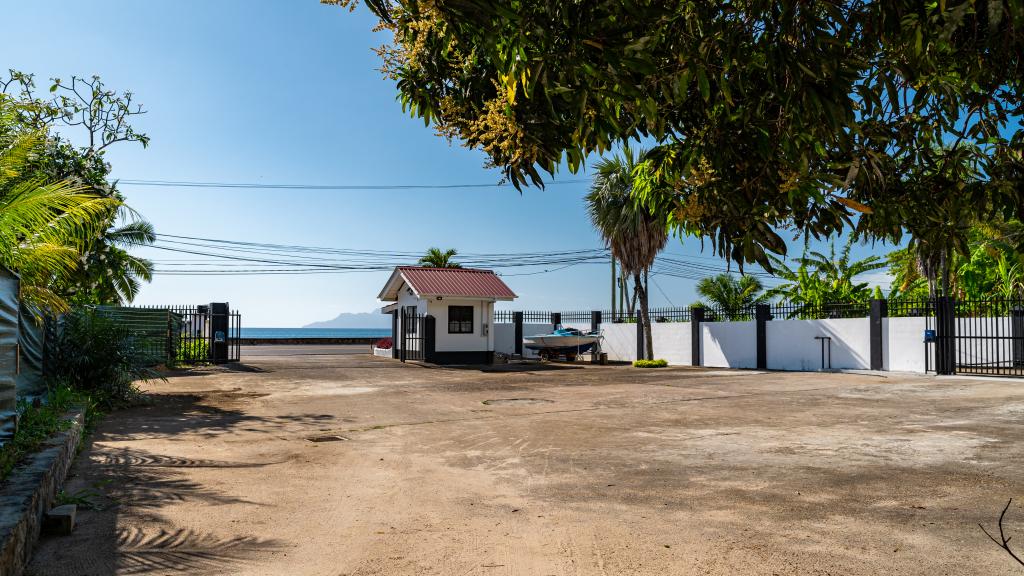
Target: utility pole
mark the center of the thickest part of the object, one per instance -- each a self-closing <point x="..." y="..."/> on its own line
<point x="613" y="287"/>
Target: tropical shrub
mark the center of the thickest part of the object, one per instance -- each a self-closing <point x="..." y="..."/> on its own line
<point x="384" y="344"/>
<point x="37" y="422"/>
<point x="659" y="363"/>
<point x="99" y="356"/>
<point x="192" y="351"/>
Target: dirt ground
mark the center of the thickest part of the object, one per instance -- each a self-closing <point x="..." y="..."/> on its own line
<point x="342" y="464"/>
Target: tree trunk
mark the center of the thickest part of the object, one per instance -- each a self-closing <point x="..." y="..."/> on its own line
<point x="648" y="331"/>
<point x="640" y="292"/>
<point x="632" y="298"/>
<point x="944" y="270"/>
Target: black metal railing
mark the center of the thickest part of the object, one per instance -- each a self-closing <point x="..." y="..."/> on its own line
<point x="989" y="337"/>
<point x="412" y="331"/>
<point x="910" y="308"/>
<point x="820" y="311"/>
<point x="778" y="310"/>
<point x="180" y="335"/>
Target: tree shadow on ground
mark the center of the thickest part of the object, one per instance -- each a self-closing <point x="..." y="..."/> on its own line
<point x="183" y="551"/>
<point x="127" y="488"/>
<point x="127" y="530"/>
<point x="232" y="367"/>
<point x="515" y="367"/>
<point x="173" y="415"/>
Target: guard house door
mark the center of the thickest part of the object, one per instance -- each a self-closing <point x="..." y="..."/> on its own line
<point x="412" y="334"/>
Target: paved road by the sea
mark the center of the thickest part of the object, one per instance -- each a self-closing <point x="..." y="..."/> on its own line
<point x="303" y="350"/>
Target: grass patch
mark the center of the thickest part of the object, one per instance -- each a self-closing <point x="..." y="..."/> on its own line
<point x="660" y="363"/>
<point x="38" y="422"/>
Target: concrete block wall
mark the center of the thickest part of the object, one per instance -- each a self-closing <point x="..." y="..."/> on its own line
<point x="791" y="344"/>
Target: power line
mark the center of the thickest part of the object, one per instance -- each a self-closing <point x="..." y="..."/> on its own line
<point x="288" y="186"/>
<point x="234" y="257"/>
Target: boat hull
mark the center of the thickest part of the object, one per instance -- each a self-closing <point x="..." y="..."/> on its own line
<point x="561" y="344"/>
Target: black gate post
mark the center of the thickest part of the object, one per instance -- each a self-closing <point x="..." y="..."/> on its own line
<point x="394" y="334"/>
<point x="429" y="335"/>
<point x="402" y="330"/>
<point x="696" y="319"/>
<point x="517" y="321"/>
<point x="640" y="337"/>
<point x="879" y="310"/>
<point x="945" y="335"/>
<point x="1017" y="335"/>
<point x="762" y="314"/>
<point x="595" y="325"/>
<point x="219" y="332"/>
<point x="556" y="320"/>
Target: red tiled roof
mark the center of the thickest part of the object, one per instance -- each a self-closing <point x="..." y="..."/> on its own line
<point x="455" y="282"/>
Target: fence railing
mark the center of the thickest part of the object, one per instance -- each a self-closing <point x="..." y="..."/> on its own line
<point x="820" y="311"/>
<point x="778" y="311"/>
<point x="181" y="334"/>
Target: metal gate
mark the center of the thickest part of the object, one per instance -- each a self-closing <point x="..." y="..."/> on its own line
<point x="988" y="337"/>
<point x="412" y="330"/>
<point x="196" y="334"/>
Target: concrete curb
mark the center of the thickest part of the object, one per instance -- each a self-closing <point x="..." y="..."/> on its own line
<point x="29" y="492"/>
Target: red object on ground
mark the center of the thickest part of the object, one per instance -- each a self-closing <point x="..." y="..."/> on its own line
<point x="384" y="344"/>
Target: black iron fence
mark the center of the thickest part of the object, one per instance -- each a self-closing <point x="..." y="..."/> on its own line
<point x="412" y="336"/>
<point x="778" y="311"/>
<point x="984" y="337"/>
<point x="177" y="335"/>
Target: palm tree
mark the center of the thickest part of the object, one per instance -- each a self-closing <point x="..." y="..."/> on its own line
<point x="633" y="234"/>
<point x="111" y="274"/>
<point x="44" y="226"/>
<point x="733" y="296"/>
<point x="435" y="258"/>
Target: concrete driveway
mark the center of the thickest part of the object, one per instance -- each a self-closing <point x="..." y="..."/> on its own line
<point x="345" y="464"/>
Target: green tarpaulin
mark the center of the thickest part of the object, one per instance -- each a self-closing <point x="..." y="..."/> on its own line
<point x="8" y="350"/>
<point x="32" y="340"/>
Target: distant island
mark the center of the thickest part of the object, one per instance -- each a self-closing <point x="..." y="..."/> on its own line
<point x="355" y="320"/>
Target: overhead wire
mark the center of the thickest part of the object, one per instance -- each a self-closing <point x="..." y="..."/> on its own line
<point x="225" y="257"/>
<point x="291" y="186"/>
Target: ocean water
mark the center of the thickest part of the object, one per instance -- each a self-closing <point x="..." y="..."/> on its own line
<point x="315" y="332"/>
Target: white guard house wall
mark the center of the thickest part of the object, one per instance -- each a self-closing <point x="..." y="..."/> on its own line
<point x="474" y="348"/>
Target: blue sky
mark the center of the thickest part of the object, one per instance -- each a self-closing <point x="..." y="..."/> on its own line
<point x="289" y="92"/>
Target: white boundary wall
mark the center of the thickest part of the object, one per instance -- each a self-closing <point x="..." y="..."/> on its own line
<point x="728" y="344"/>
<point x="790" y="343"/>
<point x="903" y="348"/>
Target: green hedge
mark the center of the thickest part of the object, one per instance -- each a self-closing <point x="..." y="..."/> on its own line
<point x="650" y="363"/>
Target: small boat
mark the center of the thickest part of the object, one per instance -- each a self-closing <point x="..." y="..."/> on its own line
<point x="568" y="342"/>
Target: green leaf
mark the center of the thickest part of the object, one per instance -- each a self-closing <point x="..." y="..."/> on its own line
<point x="702" y="82"/>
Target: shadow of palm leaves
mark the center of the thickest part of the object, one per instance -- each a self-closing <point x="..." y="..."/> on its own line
<point x="172" y="415"/>
<point x="145" y="480"/>
<point x="184" y="551"/>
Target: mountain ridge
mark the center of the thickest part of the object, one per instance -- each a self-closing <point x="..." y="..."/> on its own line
<point x="354" y="320"/>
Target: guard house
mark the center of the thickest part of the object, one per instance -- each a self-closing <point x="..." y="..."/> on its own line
<point x="443" y="315"/>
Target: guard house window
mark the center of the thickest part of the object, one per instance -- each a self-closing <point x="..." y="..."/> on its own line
<point x="460" y="319"/>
